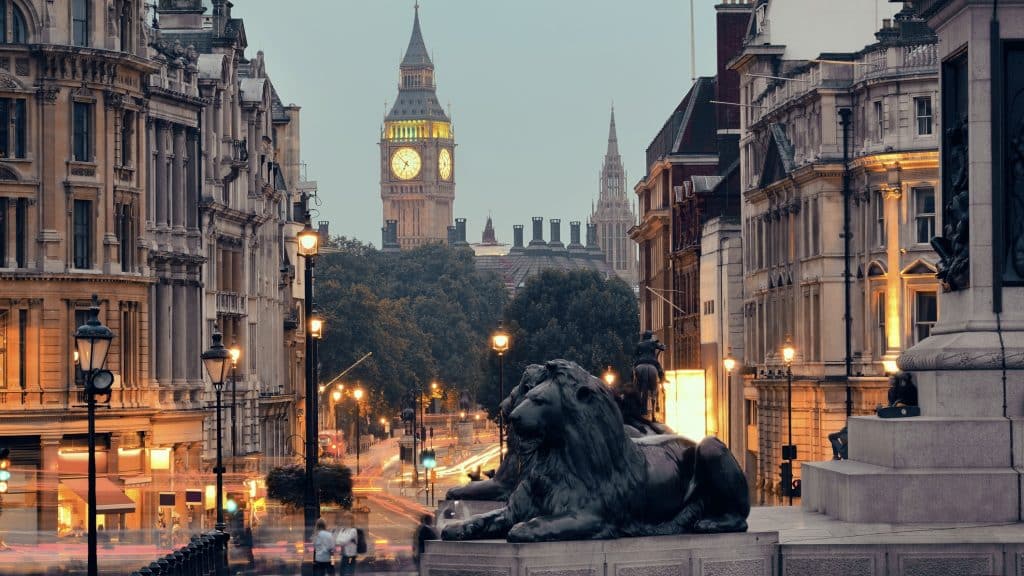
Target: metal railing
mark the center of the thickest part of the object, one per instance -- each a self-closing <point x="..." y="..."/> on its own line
<point x="205" y="555"/>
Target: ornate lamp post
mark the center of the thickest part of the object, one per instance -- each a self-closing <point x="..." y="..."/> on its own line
<point x="729" y="363"/>
<point x="308" y="247"/>
<point x="789" y="450"/>
<point x="92" y="342"/>
<point x="216" y="360"/>
<point x="358" y="395"/>
<point x="500" y="343"/>
<point x="236" y="353"/>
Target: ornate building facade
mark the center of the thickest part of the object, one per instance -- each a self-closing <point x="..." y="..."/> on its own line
<point x="793" y="172"/>
<point x="417" y="153"/>
<point x="118" y="177"/>
<point x="613" y="215"/>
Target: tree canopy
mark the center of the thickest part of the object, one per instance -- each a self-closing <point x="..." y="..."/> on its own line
<point x="426" y="314"/>
<point x="576" y="315"/>
<point x="286" y="484"/>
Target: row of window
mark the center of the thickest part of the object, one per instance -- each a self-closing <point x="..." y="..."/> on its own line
<point x="924" y="216"/>
<point x="128" y="367"/>
<point x="13" y="218"/>
<point x="922" y="117"/>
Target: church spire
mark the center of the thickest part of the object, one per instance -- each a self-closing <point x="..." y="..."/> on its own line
<point x="416" y="54"/>
<point x="613" y="140"/>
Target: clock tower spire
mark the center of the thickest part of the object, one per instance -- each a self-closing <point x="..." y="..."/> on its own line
<point x="417" y="151"/>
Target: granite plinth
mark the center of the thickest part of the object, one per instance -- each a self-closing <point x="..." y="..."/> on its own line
<point x="742" y="554"/>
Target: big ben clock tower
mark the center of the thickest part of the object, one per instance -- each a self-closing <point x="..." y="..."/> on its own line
<point x="417" y="153"/>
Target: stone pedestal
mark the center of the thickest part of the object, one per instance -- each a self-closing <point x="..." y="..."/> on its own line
<point x="746" y="554"/>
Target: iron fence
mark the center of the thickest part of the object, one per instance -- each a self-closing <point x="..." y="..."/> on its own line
<point x="205" y="555"/>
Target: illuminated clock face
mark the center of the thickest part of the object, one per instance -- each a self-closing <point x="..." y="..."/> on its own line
<point x="405" y="163"/>
<point x="444" y="164"/>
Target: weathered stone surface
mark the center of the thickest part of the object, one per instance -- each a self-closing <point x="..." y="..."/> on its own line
<point x="682" y="555"/>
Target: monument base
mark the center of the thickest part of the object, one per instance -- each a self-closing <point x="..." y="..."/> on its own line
<point x="750" y="553"/>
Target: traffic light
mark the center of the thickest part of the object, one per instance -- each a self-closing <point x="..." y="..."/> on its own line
<point x="427" y="459"/>
<point x="5" y="469"/>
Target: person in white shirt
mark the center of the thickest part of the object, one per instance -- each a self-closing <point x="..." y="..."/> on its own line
<point x="323" y="547"/>
<point x="347" y="541"/>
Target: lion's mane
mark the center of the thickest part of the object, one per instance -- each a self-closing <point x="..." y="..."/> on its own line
<point x="596" y="466"/>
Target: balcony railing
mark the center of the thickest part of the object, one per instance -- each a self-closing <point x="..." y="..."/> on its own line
<point x="230" y="302"/>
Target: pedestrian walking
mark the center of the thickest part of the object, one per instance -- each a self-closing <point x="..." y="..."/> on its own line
<point x="347" y="542"/>
<point x="323" y="548"/>
<point x="425" y="531"/>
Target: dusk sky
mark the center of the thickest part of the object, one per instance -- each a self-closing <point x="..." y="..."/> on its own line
<point x="530" y="84"/>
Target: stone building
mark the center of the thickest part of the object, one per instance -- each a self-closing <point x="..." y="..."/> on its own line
<point x="692" y="180"/>
<point x="792" y="174"/>
<point x="252" y="205"/>
<point x="613" y="215"/>
<point x="417" y="152"/>
<point x="109" y="184"/>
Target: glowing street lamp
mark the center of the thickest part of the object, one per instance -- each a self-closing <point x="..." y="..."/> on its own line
<point x="788" y="451"/>
<point x="235" y="353"/>
<point x="358" y="395"/>
<point x="92" y="342"/>
<point x="500" y="343"/>
<point x="316" y="327"/>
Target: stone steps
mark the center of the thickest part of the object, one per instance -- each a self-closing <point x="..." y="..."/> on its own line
<point x="861" y="492"/>
<point x="931" y="442"/>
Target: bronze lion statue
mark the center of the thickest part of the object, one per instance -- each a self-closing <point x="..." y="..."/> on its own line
<point x="589" y="480"/>
<point x="518" y="459"/>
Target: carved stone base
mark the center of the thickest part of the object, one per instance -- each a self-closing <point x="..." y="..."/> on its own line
<point x="752" y="553"/>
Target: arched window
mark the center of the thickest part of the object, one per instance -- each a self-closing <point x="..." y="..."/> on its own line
<point x="19" y="30"/>
<point x="13" y="29"/>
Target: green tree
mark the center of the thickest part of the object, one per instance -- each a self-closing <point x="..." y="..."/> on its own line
<point x="425" y="314"/>
<point x="287" y="485"/>
<point x="576" y="315"/>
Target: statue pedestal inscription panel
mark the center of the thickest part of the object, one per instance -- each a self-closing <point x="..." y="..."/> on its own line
<point x="751" y="553"/>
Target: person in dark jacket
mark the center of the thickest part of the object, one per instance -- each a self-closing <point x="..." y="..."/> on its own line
<point x="424" y="532"/>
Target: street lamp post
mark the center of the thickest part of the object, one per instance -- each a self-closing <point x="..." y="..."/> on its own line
<point x="92" y="342"/>
<point x="788" y="451"/>
<point x="500" y="343"/>
<point x="308" y="245"/>
<point x="215" y="359"/>
<point x="235" y="352"/>
<point x="358" y="395"/>
<point x="729" y="363"/>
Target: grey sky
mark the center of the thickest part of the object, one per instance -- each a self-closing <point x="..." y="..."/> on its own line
<point x="530" y="83"/>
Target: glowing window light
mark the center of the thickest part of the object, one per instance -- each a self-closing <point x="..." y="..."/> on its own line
<point x="160" y="458"/>
<point x="686" y="403"/>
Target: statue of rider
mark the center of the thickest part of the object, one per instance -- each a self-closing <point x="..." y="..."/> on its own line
<point x="647" y="370"/>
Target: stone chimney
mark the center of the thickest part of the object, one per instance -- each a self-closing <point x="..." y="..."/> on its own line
<point x="517" y="238"/>
<point x="592" y="246"/>
<point x="390" y="233"/>
<point x="323" y="228"/>
<point x="574" y="235"/>
<point x="453" y="235"/>
<point x="460" y="232"/>
<point x="556" y="234"/>
<point x="538" y="232"/>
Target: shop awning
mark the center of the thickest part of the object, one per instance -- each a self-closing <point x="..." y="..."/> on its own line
<point x="110" y="499"/>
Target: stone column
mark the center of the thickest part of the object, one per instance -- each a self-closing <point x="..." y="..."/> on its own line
<point x="162" y="327"/>
<point x="148" y="156"/>
<point x="179" y="334"/>
<point x="178" y="193"/>
<point x="159" y="133"/>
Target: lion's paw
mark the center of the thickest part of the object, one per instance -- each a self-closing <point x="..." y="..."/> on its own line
<point x="453" y="531"/>
<point x="522" y="532"/>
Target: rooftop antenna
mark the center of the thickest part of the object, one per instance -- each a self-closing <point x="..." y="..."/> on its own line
<point x="693" y="48"/>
